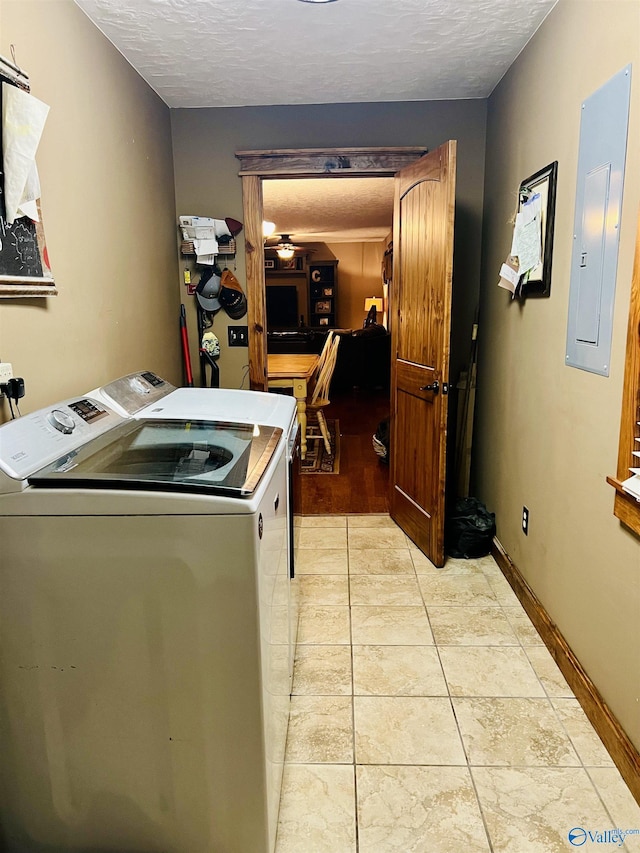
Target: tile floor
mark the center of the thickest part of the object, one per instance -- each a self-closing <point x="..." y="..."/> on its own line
<point x="427" y="715"/>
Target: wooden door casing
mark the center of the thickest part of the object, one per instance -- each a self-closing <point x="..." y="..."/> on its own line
<point x="421" y="319"/>
<point x="320" y="163"/>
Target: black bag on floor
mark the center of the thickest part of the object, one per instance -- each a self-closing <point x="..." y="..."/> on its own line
<point x="470" y="529"/>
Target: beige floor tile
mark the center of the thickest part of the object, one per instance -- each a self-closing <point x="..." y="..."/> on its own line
<point x="323" y="589"/>
<point x="460" y="589"/>
<point x="488" y="566"/>
<point x="320" y="730"/>
<point x="378" y="538"/>
<point x="418" y="810"/>
<point x="322" y="537"/>
<point x="452" y="566"/>
<point x="588" y="745"/>
<point x="317" y="812"/>
<point x="533" y="809"/>
<point x="489" y="671"/>
<point x="323" y="521"/>
<point x="622" y="807"/>
<point x="522" y="625"/>
<point x="471" y="626"/>
<point x="384" y="590"/>
<point x="322" y="671"/>
<point x="421" y="563"/>
<point x="397" y="671"/>
<point x="328" y="625"/>
<point x="392" y="626"/>
<point x="548" y="672"/>
<point x="396" y="561"/>
<point x="375" y="521"/>
<point x="406" y="730"/>
<point x="321" y="561"/>
<point x="513" y="732"/>
<point x="502" y="590"/>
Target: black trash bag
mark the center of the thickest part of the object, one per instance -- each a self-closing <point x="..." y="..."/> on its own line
<point x="381" y="441"/>
<point x="470" y="529"/>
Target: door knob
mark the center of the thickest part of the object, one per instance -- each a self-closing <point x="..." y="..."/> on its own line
<point x="435" y="387"/>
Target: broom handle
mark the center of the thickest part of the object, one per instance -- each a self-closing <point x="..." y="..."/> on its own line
<point x="186" y="358"/>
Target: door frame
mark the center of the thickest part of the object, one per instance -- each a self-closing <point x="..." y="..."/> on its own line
<point x="295" y="163"/>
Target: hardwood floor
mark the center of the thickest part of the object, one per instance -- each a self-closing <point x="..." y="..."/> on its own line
<point x="362" y="485"/>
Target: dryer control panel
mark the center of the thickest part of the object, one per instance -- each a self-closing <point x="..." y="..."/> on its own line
<point x="37" y="439"/>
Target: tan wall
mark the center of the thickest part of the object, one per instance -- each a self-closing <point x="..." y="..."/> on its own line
<point x="106" y="171"/>
<point x="547" y="434"/>
<point x="207" y="182"/>
<point x="359" y="276"/>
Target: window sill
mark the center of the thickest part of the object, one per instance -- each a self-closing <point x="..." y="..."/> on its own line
<point x="625" y="507"/>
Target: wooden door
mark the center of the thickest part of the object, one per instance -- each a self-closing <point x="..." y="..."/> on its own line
<point x="421" y="318"/>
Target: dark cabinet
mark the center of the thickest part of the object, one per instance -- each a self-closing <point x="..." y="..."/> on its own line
<point x="323" y="284"/>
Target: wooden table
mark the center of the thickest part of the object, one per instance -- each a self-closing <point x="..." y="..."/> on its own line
<point x="294" y="371"/>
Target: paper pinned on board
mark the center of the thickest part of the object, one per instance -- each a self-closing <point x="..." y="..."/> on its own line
<point x="509" y="274"/>
<point x="23" y="119"/>
<point x="527" y="234"/>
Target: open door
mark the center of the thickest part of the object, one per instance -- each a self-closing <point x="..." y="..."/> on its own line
<point x="421" y="319"/>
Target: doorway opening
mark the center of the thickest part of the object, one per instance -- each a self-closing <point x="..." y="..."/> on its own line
<point x="340" y="231"/>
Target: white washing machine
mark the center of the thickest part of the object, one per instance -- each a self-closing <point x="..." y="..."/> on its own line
<point x="144" y="628"/>
<point x="144" y="394"/>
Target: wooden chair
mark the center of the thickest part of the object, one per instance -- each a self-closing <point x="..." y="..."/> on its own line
<point x="320" y="394"/>
<point x="325" y="351"/>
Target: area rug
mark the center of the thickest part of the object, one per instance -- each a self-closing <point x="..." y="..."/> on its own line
<point x="317" y="460"/>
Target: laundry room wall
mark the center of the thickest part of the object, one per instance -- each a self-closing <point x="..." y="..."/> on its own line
<point x="359" y="276"/>
<point x="106" y="171"/>
<point x="207" y="182"/>
<point x="547" y="434"/>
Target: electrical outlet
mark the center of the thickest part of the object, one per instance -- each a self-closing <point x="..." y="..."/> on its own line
<point x="238" y="336"/>
<point x="525" y="520"/>
<point x="6" y="372"/>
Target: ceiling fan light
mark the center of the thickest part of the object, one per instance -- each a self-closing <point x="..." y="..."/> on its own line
<point x="285" y="253"/>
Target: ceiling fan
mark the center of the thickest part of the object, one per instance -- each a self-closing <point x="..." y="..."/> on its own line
<point x="284" y="247"/>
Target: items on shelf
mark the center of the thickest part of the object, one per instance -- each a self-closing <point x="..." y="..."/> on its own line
<point x="207" y="237"/>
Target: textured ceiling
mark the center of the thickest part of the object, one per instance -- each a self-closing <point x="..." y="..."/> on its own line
<point x="330" y="209"/>
<point x="210" y="53"/>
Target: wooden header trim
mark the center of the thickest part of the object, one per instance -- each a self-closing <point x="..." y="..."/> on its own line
<point x="315" y="162"/>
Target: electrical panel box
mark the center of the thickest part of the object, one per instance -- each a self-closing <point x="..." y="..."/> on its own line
<point x="596" y="230"/>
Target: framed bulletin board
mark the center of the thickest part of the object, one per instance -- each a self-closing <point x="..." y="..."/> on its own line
<point x="538" y="282"/>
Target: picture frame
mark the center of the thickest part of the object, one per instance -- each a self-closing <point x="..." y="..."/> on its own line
<point x="324" y="321"/>
<point x="323" y="306"/>
<point x="290" y="264"/>
<point x="327" y="291"/>
<point x="538" y="282"/>
<point x="269" y="263"/>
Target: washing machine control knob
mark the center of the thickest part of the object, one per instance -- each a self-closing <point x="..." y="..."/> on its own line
<point x="62" y="421"/>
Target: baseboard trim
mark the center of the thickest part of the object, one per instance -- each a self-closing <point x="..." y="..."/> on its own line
<point x="624" y="754"/>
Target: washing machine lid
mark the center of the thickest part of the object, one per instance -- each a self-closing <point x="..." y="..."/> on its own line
<point x="195" y="456"/>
